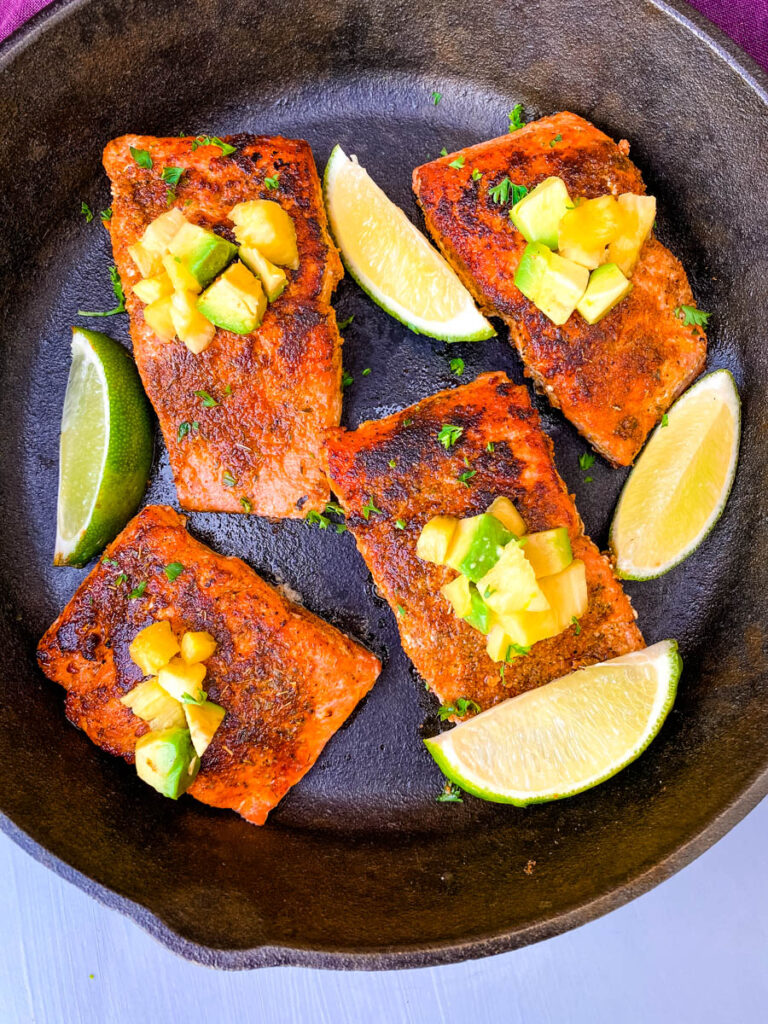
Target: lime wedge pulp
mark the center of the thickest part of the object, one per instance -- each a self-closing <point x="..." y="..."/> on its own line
<point x="392" y="260"/>
<point x="565" y="736"/>
<point x="105" y="449"/>
<point x="679" y="486"/>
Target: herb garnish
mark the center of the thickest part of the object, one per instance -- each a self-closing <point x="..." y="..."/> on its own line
<point x="516" y="651"/>
<point x="120" y="579"/>
<point x="466" y="476"/>
<point x="172" y="175"/>
<point x="317" y="518"/>
<point x="408" y="422"/>
<point x="557" y="138"/>
<point x="400" y="610"/>
<point x="518" y="192"/>
<point x="516" y="117"/>
<point x="476" y="174"/>
<point x="443" y="151"/>
<point x="141" y="157"/>
<point x="451" y="794"/>
<point x="138" y="590"/>
<point x="665" y="420"/>
<point x="399" y="524"/>
<point x="213" y="140"/>
<point x="346" y="379"/>
<point x="208" y="400"/>
<point x="461" y="708"/>
<point x="86" y="211"/>
<point x="586" y="459"/>
<point x="366" y="371"/>
<point x="117" y="288"/>
<point x="500" y="193"/>
<point x="458" y="162"/>
<point x="227" y="479"/>
<point x="109" y="561"/>
<point x="273" y="182"/>
<point x="247" y="506"/>
<point x="187" y="698"/>
<point x="457" y="366"/>
<point x="369" y="507"/>
<point x="436" y="96"/>
<point x="392" y="463"/>
<point x="449" y="434"/>
<point x="490" y="447"/>
<point x="106" y="214"/>
<point x="576" y="625"/>
<point x="173" y="571"/>
<point x="693" y="317"/>
<point x="347" y="322"/>
<point x="332" y="506"/>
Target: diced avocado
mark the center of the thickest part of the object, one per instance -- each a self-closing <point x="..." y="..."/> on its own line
<point x="181" y="680"/>
<point x="552" y="283"/>
<point x="148" y="262"/>
<point x="511" y="585"/>
<point x="235" y="301"/>
<point x="639" y="214"/>
<point x="151" y="704"/>
<point x="607" y="287"/>
<point x="587" y="229"/>
<point x="197" y="646"/>
<point x="480" y="615"/>
<point x="266" y="226"/>
<point x="459" y="594"/>
<point x="167" y="761"/>
<point x="203" y="721"/>
<point x="153" y="647"/>
<point x="272" y="278"/>
<point x="503" y="509"/>
<point x="567" y="593"/>
<point x="203" y="253"/>
<point x="476" y="545"/>
<point x="193" y="329"/>
<point x="150" y="289"/>
<point x="161" y="232"/>
<point x="548" y="551"/>
<point x="158" y="316"/>
<point x="435" y="539"/>
<point x="538" y="215"/>
<point x="181" y="278"/>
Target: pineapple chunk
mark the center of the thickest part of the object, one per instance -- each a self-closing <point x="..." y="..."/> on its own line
<point x="182" y="278"/>
<point x="152" y="705"/>
<point x="639" y="214"/>
<point x="193" y="329"/>
<point x="502" y="509"/>
<point x="197" y="647"/>
<point x="161" y="232"/>
<point x="182" y="681"/>
<point x="459" y="594"/>
<point x="203" y="721"/>
<point x="586" y="230"/>
<point x="272" y="278"/>
<point x="435" y="539"/>
<point x="154" y="647"/>
<point x="158" y="316"/>
<point x="567" y="593"/>
<point x="150" y="289"/>
<point x="548" y="551"/>
<point x="266" y="226"/>
<point x="511" y="586"/>
<point x="148" y="262"/>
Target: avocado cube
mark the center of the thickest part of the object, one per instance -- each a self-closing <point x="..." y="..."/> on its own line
<point x="197" y="646"/>
<point x="182" y="681"/>
<point x="235" y="301"/>
<point x="537" y="216"/>
<point x="552" y="283"/>
<point x="435" y="539"/>
<point x="639" y="214"/>
<point x="193" y="329"/>
<point x="480" y="615"/>
<point x="158" y="316"/>
<point x="264" y="225"/>
<point x="566" y="593"/>
<point x="272" y="278"/>
<point x="548" y="551"/>
<point x="476" y="545"/>
<point x="149" y="702"/>
<point x="587" y="229"/>
<point x="203" y="720"/>
<point x="167" y="761"/>
<point x="503" y="509"/>
<point x="153" y="647"/>
<point x="607" y="287"/>
<point x="459" y="594"/>
<point x="203" y="253"/>
<point x="511" y="586"/>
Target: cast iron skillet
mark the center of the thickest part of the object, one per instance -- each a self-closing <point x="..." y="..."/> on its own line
<point x="359" y="866"/>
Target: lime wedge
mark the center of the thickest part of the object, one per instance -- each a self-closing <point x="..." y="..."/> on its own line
<point x="105" y="449"/>
<point x="679" y="486"/>
<point x="392" y="260"/>
<point x="566" y="736"/>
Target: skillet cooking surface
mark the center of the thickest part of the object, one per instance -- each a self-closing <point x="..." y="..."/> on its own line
<point x="359" y="866"/>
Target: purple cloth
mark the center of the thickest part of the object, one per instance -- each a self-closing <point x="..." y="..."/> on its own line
<point x="745" y="21"/>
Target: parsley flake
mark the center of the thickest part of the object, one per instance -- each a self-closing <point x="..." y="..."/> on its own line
<point x="173" y="571"/>
<point x="466" y="476"/>
<point x="399" y="524"/>
<point x="187" y="698"/>
<point x="332" y="506"/>
<point x="692" y="317"/>
<point x="172" y="175"/>
<point x="476" y="175"/>
<point x="366" y="371"/>
<point x="516" y="651"/>
<point x="208" y="400"/>
<point x="515" y="117"/>
<point x="500" y="193"/>
<point x="586" y="459"/>
<point x="518" y="192"/>
<point x="141" y="158"/>
<point x="247" y="506"/>
<point x="273" y="182"/>
<point x="392" y="463"/>
<point x="457" y="366"/>
<point x="86" y="211"/>
<point x="451" y="794"/>
<point x="106" y="214"/>
<point x="213" y="140"/>
<point x="317" y="519"/>
<point x="117" y="288"/>
<point x="109" y="561"/>
<point x="369" y="507"/>
<point x="407" y="423"/>
<point x="436" y="96"/>
<point x="458" y="162"/>
<point x="138" y="590"/>
<point x="443" y="151"/>
<point x="400" y="610"/>
<point x="346" y="379"/>
<point x="347" y="322"/>
<point x="183" y="430"/>
<point x="665" y="420"/>
<point x="557" y="138"/>
<point x="490" y="447"/>
<point x="227" y="479"/>
<point x="120" y="579"/>
<point x="460" y="708"/>
<point x="449" y="434"/>
<point x="576" y="625"/>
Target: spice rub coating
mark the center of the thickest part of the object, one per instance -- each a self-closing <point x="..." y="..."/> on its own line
<point x="613" y="379"/>
<point x="287" y="679"/>
<point x="276" y="390"/>
<point x="398" y="466"/>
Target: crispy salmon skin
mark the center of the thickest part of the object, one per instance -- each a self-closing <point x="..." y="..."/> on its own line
<point x="392" y="475"/>
<point x="276" y="390"/>
<point x="286" y="679"/>
<point x="613" y="379"/>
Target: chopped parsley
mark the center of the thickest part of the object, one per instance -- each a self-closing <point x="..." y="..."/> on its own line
<point x="518" y="192"/>
<point x="369" y="507"/>
<point x="173" y="571"/>
<point x="86" y="211"/>
<point x="399" y="524"/>
<point x="331" y="506"/>
<point x="557" y="138"/>
<point x="576" y="625"/>
<point x="109" y="561"/>
<point x="187" y="698"/>
<point x="490" y="447"/>
<point x="458" y="162"/>
<point x="227" y="389"/>
<point x="586" y="459"/>
<point x="172" y="175"/>
<point x="588" y="479"/>
<point x="347" y="322"/>
<point x="665" y="420"/>
<point x="392" y="463"/>
<point x="346" y="379"/>
<point x="461" y="708"/>
<point x="515" y="117"/>
<point x="366" y="371"/>
<point x="476" y="175"/>
<point x="400" y="610"/>
<point x="693" y="317"/>
<point x="457" y="366"/>
<point x="106" y="214"/>
<point x="451" y="794"/>
<point x="213" y="140"/>
<point x="466" y="476"/>
<point x="138" y="591"/>
<point x="435" y="96"/>
<point x="408" y="422"/>
<point x="120" y="579"/>
<point x="449" y="434"/>
<point x="227" y="479"/>
<point x="117" y="288"/>
<point x="208" y="400"/>
<point x="443" y="151"/>
<point x="273" y="182"/>
<point x="141" y="158"/>
<point x="317" y="519"/>
<point x="184" y="429"/>
<point x="247" y="506"/>
<point x="500" y="193"/>
<point x="516" y="651"/>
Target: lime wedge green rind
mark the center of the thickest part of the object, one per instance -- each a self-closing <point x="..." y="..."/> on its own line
<point x="680" y="484"/>
<point x="467" y="324"/>
<point x="105" y="449"/>
<point x="574" y="732"/>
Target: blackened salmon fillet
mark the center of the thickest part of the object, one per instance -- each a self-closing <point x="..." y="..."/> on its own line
<point x="392" y="475"/>
<point x="243" y="421"/>
<point x="614" y="379"/>
<point x="287" y="679"/>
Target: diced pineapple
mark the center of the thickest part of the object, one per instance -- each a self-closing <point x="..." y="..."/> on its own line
<point x="203" y="721"/>
<point x="181" y="680"/>
<point x="638" y="216"/>
<point x="548" y="551"/>
<point x="567" y="593"/>
<point x="153" y="647"/>
<point x="158" y="316"/>
<point x="503" y="646"/>
<point x="153" y="705"/>
<point x="193" y="329"/>
<point x="272" y="278"/>
<point x="197" y="646"/>
<point x="511" y="585"/>
<point x="528" y="628"/>
<point x="435" y="539"/>
<point x="502" y="509"/>
<point x="149" y="263"/>
<point x="459" y="594"/>
<point x="182" y="279"/>
<point x="586" y="230"/>
<point x="266" y="226"/>
<point x="161" y="232"/>
<point x="150" y="289"/>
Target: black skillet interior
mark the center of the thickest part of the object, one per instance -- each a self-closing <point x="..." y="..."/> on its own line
<point x="360" y="866"/>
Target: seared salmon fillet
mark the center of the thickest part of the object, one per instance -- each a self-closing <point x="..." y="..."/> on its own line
<point x="392" y="475"/>
<point x="613" y="379"/>
<point x="286" y="679"/>
<point x="273" y="392"/>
